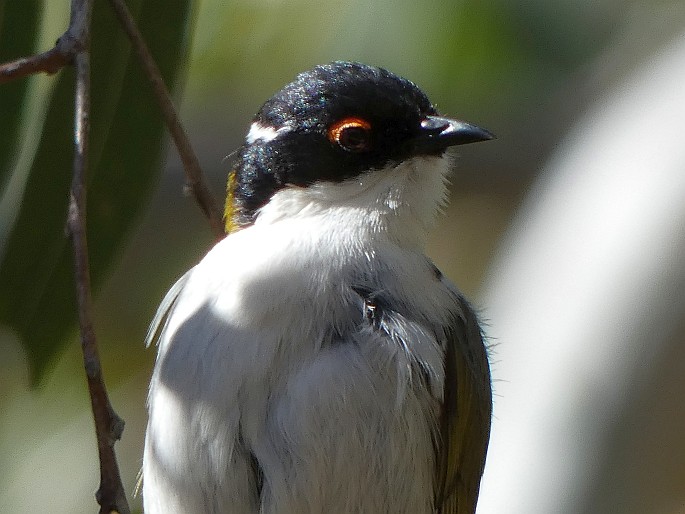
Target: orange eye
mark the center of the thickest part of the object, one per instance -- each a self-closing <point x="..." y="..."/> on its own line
<point x="352" y="134"/>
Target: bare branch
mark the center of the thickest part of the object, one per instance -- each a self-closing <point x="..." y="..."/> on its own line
<point x="48" y="62"/>
<point x="64" y="53"/>
<point x="108" y="426"/>
<point x="74" y="48"/>
<point x="194" y="176"/>
<point x="67" y="46"/>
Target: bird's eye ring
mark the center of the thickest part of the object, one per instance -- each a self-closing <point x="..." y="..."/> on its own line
<point x="351" y="134"/>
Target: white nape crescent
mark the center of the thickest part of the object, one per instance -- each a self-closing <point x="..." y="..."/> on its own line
<point x="260" y="132"/>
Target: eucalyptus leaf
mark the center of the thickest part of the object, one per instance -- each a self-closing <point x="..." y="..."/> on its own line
<point x="19" y="24"/>
<point x="37" y="292"/>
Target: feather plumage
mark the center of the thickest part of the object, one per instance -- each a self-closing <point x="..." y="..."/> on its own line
<point x="315" y="360"/>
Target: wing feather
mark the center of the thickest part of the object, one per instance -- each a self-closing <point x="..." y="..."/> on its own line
<point x="164" y="310"/>
<point x="467" y="409"/>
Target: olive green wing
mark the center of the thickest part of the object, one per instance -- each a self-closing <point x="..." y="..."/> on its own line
<point x="466" y="413"/>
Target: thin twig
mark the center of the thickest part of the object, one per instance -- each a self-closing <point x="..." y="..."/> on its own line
<point x="48" y="62"/>
<point x="67" y="46"/>
<point x="108" y="426"/>
<point x="63" y="54"/>
<point x="73" y="47"/>
<point x="194" y="176"/>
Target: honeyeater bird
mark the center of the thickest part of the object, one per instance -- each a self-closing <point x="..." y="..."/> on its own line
<point x="316" y="361"/>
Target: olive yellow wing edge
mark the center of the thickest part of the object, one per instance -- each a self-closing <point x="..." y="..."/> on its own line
<point x="466" y="416"/>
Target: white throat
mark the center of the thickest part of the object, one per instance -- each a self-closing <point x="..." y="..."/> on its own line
<point x="399" y="202"/>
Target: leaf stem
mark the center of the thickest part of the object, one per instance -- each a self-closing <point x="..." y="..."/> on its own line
<point x="194" y="176"/>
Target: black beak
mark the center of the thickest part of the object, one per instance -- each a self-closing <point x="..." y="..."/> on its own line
<point x="437" y="134"/>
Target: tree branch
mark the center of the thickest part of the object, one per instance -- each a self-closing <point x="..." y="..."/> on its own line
<point x="70" y="44"/>
<point x="73" y="47"/>
<point x="67" y="46"/>
<point x="194" y="176"/>
<point x="108" y="426"/>
<point x="48" y="62"/>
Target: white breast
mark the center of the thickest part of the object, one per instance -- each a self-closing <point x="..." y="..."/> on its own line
<point x="268" y="361"/>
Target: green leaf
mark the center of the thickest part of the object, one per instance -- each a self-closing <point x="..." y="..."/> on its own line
<point x="37" y="293"/>
<point x="19" y="23"/>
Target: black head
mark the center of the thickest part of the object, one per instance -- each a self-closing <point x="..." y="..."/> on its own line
<point x="332" y="123"/>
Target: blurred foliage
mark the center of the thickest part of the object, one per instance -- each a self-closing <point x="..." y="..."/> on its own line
<point x="37" y="294"/>
<point x="488" y="53"/>
<point x="24" y="14"/>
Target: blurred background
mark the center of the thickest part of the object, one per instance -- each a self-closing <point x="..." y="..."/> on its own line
<point x="568" y="232"/>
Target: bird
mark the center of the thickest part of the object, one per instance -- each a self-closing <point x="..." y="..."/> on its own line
<point x="316" y="360"/>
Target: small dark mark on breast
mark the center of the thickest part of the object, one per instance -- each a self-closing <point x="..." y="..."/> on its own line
<point x="373" y="306"/>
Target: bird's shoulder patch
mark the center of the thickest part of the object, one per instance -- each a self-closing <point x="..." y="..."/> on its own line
<point x="230" y="210"/>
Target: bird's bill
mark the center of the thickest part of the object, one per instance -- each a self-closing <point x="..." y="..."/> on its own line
<point x="438" y="133"/>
